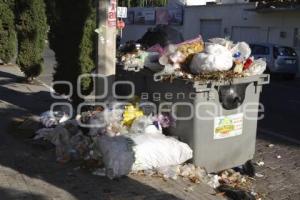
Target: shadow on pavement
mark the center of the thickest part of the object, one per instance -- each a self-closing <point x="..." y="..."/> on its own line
<point x="11" y="194"/>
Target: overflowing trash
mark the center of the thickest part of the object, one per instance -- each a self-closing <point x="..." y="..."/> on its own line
<point x="124" y="139"/>
<point x="217" y="59"/>
<point x="121" y="136"/>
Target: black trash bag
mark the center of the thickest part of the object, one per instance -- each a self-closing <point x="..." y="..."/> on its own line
<point x="235" y="194"/>
<point x="161" y="34"/>
<point x="247" y="169"/>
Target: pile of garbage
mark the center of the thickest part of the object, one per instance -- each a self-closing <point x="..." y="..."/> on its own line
<point x="122" y="136"/>
<point x="217" y="59"/>
<point x="127" y="138"/>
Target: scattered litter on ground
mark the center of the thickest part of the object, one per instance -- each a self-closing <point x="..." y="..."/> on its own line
<point x="260" y="163"/>
<point x="259" y="175"/>
<point x="278" y="156"/>
<point x="271" y="145"/>
<point x="235" y="194"/>
<point x="50" y="118"/>
<point x="100" y="172"/>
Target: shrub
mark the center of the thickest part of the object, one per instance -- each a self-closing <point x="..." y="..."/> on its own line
<point x="8" y="39"/>
<point x="32" y="33"/>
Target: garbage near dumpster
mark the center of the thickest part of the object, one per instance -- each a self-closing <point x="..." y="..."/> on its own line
<point x="50" y="119"/>
<point x="123" y="154"/>
<point x="228" y="182"/>
<point x="131" y="151"/>
<point x="69" y="141"/>
<point x="138" y="59"/>
<point x="124" y="140"/>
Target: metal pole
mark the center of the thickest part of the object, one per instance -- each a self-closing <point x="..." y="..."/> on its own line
<point x="107" y="11"/>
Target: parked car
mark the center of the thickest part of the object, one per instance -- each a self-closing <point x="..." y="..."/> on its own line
<point x="280" y="59"/>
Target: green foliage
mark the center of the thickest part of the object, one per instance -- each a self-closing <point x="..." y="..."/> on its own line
<point x="72" y="37"/>
<point x="87" y="50"/>
<point x="8" y="39"/>
<point x="32" y="33"/>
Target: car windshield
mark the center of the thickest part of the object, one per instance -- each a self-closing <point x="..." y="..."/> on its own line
<point x="284" y="51"/>
<point x="259" y="49"/>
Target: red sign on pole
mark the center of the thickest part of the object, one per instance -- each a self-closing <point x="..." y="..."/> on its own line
<point x="112" y="14"/>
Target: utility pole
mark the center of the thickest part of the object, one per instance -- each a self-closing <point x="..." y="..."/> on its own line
<point x="106" y="64"/>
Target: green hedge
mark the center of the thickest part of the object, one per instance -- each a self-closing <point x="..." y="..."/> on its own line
<point x="32" y="33"/>
<point x="8" y="39"/>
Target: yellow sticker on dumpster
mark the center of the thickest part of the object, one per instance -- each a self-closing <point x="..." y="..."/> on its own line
<point x="228" y="126"/>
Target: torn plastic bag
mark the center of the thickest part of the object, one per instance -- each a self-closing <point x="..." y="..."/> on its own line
<point x="215" y="58"/>
<point x="105" y="121"/>
<point x="241" y="51"/>
<point x="222" y="41"/>
<point x="140" y="124"/>
<point x="80" y="145"/>
<point x="168" y="70"/>
<point x="170" y="172"/>
<point x="69" y="144"/>
<point x="50" y="119"/>
<point x="118" y="155"/>
<point x="258" y="67"/>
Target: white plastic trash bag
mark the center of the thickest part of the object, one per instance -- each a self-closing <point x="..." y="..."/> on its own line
<point x="118" y="155"/>
<point x="222" y="41"/>
<point x="136" y="152"/>
<point x="241" y="51"/>
<point x="258" y="67"/>
<point x="157" y="151"/>
<point x="215" y="58"/>
<point x="50" y="119"/>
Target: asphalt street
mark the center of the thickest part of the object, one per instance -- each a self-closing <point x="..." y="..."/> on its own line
<point x="281" y="100"/>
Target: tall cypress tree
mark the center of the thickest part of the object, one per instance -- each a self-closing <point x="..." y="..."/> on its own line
<point x="8" y="39"/>
<point x="32" y="33"/>
<point x="72" y="37"/>
<point x="87" y="48"/>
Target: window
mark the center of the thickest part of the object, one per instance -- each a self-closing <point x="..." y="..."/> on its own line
<point x="260" y="50"/>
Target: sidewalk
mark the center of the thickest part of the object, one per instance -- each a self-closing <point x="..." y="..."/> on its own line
<point x="29" y="172"/>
